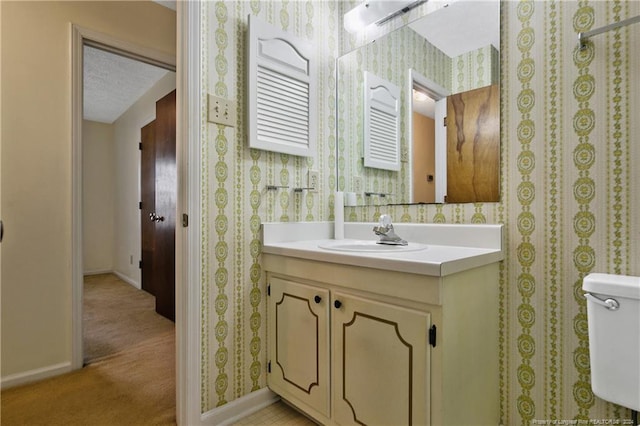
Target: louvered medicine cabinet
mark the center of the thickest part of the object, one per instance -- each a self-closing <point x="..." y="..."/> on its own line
<point x="281" y="91"/>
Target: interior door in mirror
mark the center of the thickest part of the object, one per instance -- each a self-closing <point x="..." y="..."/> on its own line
<point x="473" y="146"/>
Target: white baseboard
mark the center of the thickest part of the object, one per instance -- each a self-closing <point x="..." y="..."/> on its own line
<point x="30" y="376"/>
<point x="240" y="408"/>
<point x="120" y="275"/>
<point x="128" y="280"/>
<point x="98" y="272"/>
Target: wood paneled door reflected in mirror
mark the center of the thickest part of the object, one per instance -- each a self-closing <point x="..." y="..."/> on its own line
<point x="473" y="146"/>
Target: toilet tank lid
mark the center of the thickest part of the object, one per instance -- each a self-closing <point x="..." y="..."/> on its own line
<point x="612" y="285"/>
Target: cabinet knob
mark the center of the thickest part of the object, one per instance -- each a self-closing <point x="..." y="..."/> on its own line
<point x="317" y="299"/>
<point x="337" y="304"/>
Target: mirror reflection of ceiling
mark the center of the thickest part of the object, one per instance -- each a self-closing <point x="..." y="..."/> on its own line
<point x="477" y="24"/>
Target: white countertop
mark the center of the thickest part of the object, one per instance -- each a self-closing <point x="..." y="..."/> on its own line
<point x="435" y="260"/>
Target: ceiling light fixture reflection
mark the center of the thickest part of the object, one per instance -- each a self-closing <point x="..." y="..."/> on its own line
<point x="418" y="96"/>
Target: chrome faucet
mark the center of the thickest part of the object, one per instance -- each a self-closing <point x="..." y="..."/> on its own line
<point x="386" y="232"/>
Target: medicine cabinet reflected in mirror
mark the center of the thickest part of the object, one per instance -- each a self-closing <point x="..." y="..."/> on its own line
<point x="446" y="65"/>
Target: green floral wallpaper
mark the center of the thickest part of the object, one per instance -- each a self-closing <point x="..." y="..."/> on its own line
<point x="570" y="133"/>
<point x="475" y="69"/>
<point x="235" y="200"/>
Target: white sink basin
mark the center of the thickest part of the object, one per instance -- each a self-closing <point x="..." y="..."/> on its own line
<point x="369" y="246"/>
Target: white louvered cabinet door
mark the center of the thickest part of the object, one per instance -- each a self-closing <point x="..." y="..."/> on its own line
<point x="281" y="80"/>
<point x="381" y="123"/>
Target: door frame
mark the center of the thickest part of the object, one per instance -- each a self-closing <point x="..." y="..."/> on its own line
<point x="186" y="62"/>
<point x="437" y="93"/>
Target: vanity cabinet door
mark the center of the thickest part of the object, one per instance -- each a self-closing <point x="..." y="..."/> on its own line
<point x="380" y="361"/>
<point x="299" y="345"/>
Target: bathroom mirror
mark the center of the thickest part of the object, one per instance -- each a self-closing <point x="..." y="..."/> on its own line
<point x="446" y="64"/>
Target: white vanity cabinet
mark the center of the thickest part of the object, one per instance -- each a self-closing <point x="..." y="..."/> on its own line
<point x="355" y="345"/>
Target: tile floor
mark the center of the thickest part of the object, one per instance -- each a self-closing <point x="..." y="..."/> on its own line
<point x="276" y="414"/>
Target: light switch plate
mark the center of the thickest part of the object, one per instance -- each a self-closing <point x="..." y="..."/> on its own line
<point x="358" y="186"/>
<point x="313" y="180"/>
<point x="221" y="111"/>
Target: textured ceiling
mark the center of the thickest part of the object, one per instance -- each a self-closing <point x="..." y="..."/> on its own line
<point x="112" y="83"/>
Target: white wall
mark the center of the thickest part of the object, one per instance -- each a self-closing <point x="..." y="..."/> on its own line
<point x="127" y="179"/>
<point x="98" y="179"/>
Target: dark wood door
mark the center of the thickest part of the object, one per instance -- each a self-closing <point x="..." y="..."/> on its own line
<point x="158" y="208"/>
<point x="164" y="269"/>
<point x="473" y="146"/>
<point x="148" y="202"/>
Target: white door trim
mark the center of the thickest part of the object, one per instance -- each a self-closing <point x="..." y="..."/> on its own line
<point x="437" y="93"/>
<point x="76" y="197"/>
<point x="188" y="250"/>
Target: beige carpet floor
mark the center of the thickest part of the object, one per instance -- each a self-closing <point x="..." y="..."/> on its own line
<point x="117" y="316"/>
<point x="131" y="385"/>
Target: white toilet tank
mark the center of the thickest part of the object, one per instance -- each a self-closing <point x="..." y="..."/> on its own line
<point x="613" y="315"/>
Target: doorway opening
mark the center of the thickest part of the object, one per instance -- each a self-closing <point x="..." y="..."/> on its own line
<point x="83" y="40"/>
<point x="121" y="99"/>
<point x="428" y="140"/>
